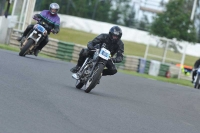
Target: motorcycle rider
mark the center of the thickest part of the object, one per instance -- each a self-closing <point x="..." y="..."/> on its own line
<point x="194" y="71"/>
<point x="113" y="43"/>
<point x="51" y="18"/>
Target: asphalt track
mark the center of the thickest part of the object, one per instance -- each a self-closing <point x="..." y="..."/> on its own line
<point x="37" y="95"/>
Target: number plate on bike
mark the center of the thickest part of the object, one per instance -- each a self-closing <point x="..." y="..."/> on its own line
<point x="40" y="28"/>
<point x="104" y="53"/>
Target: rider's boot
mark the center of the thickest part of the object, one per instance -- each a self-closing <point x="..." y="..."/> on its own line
<point x="20" y="38"/>
<point x="75" y="69"/>
<point x="36" y="52"/>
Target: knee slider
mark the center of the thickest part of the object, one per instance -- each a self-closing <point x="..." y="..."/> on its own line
<point x="114" y="71"/>
<point x="30" y="26"/>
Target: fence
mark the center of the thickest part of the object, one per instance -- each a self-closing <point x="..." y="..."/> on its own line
<point x="70" y="52"/>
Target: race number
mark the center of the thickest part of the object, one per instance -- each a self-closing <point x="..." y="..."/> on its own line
<point x="104" y="53"/>
<point x="40" y="28"/>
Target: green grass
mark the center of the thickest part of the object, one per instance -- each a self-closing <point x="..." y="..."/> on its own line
<point x="15" y="49"/>
<point x="131" y="48"/>
<point x="70" y="35"/>
<point x="170" y="80"/>
<point x="7" y="47"/>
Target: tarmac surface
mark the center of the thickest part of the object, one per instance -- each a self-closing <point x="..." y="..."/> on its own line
<point x="38" y="95"/>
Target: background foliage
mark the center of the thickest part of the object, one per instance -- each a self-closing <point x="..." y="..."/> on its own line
<point x="175" y="22"/>
<point x="118" y="12"/>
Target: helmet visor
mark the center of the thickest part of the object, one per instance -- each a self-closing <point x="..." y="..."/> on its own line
<point x="114" y="37"/>
<point x="53" y="11"/>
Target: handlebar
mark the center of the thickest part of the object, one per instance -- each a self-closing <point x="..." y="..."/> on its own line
<point x="37" y="19"/>
<point x="45" y="25"/>
<point x="93" y="50"/>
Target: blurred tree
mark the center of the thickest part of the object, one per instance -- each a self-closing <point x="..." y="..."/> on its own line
<point x="129" y="19"/>
<point x="144" y="23"/>
<point x="102" y="10"/>
<point x="197" y="20"/>
<point x="80" y="8"/>
<point x="113" y="11"/>
<point x="120" y="12"/>
<point x="175" y="22"/>
<point x="2" y="7"/>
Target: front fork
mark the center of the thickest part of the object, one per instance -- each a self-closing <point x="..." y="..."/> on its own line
<point x="83" y="65"/>
<point x="98" y="61"/>
<point x="80" y="72"/>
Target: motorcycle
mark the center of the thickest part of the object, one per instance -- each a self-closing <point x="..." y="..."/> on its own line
<point x="90" y="72"/>
<point x="197" y="79"/>
<point x="34" y="38"/>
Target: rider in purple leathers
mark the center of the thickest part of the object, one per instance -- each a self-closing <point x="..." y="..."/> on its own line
<point x="51" y="18"/>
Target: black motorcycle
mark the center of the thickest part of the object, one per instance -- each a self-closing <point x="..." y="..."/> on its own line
<point x="33" y="39"/>
<point x="91" y="71"/>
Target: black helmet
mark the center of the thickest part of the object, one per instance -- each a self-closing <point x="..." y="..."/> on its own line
<point x="54" y="6"/>
<point x="115" y="34"/>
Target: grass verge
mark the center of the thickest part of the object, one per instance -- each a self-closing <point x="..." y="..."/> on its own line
<point x="164" y="79"/>
<point x="130" y="48"/>
<point x="170" y="80"/>
<point x="15" y="49"/>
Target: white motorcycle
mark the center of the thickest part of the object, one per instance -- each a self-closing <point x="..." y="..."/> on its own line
<point x="91" y="71"/>
<point x="33" y="39"/>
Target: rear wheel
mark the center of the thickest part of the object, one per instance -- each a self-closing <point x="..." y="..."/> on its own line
<point x="26" y="47"/>
<point x="92" y="81"/>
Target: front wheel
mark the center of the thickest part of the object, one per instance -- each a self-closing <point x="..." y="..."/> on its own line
<point x="92" y="81"/>
<point x="196" y="85"/>
<point x="26" y="47"/>
<point x="79" y="84"/>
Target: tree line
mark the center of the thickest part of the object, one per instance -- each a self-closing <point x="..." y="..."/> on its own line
<point x="117" y="12"/>
<point x="174" y="22"/>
